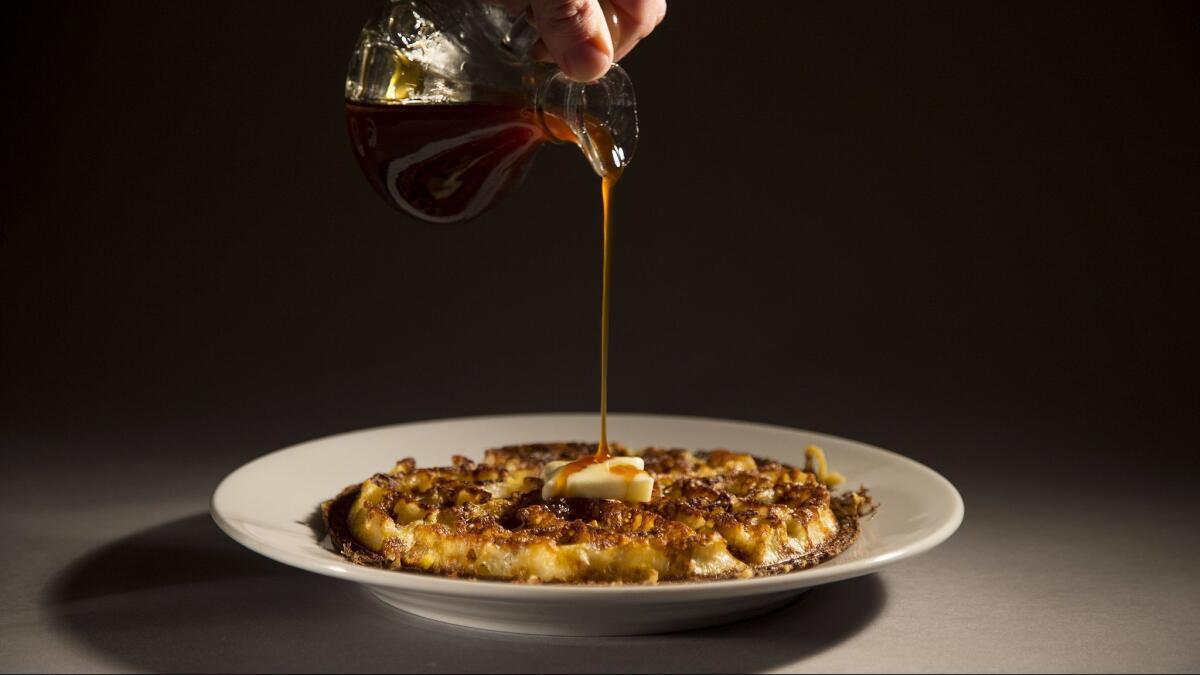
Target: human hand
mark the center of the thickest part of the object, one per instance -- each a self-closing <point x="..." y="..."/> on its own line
<point x="585" y="37"/>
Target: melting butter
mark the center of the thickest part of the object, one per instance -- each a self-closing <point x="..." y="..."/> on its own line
<point x="621" y="478"/>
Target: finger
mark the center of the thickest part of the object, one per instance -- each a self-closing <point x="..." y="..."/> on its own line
<point x="631" y="20"/>
<point x="576" y="36"/>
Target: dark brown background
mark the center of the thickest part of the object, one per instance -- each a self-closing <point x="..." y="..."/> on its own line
<point x="852" y="219"/>
<point x="964" y="233"/>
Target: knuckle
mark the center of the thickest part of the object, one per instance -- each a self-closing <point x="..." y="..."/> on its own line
<point x="568" y="15"/>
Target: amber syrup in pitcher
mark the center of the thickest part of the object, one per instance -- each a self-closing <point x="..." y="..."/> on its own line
<point x="444" y="163"/>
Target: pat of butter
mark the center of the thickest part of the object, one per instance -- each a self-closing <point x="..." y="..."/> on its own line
<point x="616" y="478"/>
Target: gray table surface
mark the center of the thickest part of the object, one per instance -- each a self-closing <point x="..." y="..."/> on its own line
<point x="124" y="570"/>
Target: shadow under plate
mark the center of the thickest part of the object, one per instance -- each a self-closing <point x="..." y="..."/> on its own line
<point x="183" y="596"/>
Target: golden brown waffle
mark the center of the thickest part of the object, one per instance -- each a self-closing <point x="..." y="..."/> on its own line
<point x="713" y="515"/>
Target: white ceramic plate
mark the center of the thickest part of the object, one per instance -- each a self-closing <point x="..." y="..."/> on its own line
<point x="266" y="505"/>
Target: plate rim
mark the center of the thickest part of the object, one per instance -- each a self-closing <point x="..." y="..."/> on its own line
<point x="507" y="590"/>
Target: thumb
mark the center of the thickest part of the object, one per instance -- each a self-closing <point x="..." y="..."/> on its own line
<point x="576" y="36"/>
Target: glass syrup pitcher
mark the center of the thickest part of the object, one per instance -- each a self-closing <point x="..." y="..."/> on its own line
<point x="446" y="109"/>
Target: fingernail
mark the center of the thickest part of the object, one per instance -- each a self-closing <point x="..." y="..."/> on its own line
<point x="586" y="61"/>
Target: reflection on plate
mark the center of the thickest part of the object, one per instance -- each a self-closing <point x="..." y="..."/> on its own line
<point x="267" y="505"/>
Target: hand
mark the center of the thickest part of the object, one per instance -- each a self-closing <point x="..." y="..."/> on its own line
<point x="585" y="37"/>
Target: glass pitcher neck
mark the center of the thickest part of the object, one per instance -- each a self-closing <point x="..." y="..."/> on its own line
<point x="600" y="117"/>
